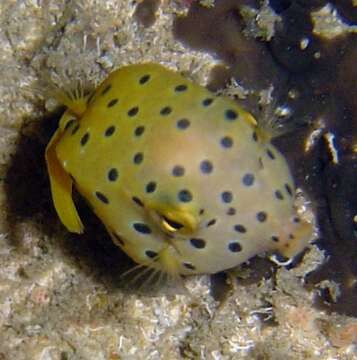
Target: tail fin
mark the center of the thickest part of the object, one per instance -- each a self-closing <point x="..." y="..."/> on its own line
<point x="301" y="237"/>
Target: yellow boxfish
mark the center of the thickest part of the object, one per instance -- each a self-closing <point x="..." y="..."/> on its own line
<point x="184" y="181"/>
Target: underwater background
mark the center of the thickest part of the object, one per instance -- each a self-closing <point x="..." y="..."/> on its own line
<point x="292" y="62"/>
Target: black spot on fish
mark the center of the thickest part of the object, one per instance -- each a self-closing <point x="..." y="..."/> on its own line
<point x="270" y="154"/>
<point x="109" y="131"/>
<point x="288" y="189"/>
<point x="142" y="228"/>
<point x="211" y="222"/>
<point x="181" y="88"/>
<point x="178" y="171"/>
<point x="207" y="102"/>
<point x="279" y="195"/>
<point x="227" y="196"/>
<point x="166" y="110"/>
<point x="227" y="142"/>
<point x="198" y="243"/>
<point x="248" y="179"/>
<point x="112" y="102"/>
<point x="133" y="111"/>
<point x="150" y="254"/>
<point x="101" y="197"/>
<point x="144" y="79"/>
<point x="275" y="238"/>
<point x="137" y="201"/>
<point x="138" y="158"/>
<point x="231" y="211"/>
<point x="84" y="139"/>
<point x="189" y="266"/>
<point x="183" y="124"/>
<point x="150" y="187"/>
<point x="75" y="129"/>
<point x="139" y="130"/>
<point x="240" y="228"/>
<point x="113" y="174"/>
<point x="206" y="167"/>
<point x="234" y="246"/>
<point x="255" y="136"/>
<point x="261" y="216"/>
<point x="184" y="195"/>
<point x="230" y="115"/>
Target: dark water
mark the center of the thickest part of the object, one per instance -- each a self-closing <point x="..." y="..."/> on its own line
<point x="322" y="76"/>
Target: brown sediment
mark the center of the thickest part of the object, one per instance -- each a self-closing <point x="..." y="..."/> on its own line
<point x="59" y="294"/>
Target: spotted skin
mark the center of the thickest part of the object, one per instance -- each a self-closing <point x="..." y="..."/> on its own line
<point x="181" y="179"/>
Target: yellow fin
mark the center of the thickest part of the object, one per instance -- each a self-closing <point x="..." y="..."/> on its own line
<point x="61" y="189"/>
<point x="69" y="90"/>
<point x="74" y="100"/>
<point x="168" y="263"/>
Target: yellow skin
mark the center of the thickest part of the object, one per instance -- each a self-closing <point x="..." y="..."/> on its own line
<point x="183" y="180"/>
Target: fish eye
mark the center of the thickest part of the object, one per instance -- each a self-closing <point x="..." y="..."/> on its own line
<point x="173" y="220"/>
<point x="171" y="225"/>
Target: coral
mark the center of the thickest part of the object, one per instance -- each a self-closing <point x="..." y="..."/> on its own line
<point x="145" y="12"/>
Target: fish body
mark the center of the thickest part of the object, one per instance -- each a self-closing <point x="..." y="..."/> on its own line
<point x="183" y="180"/>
